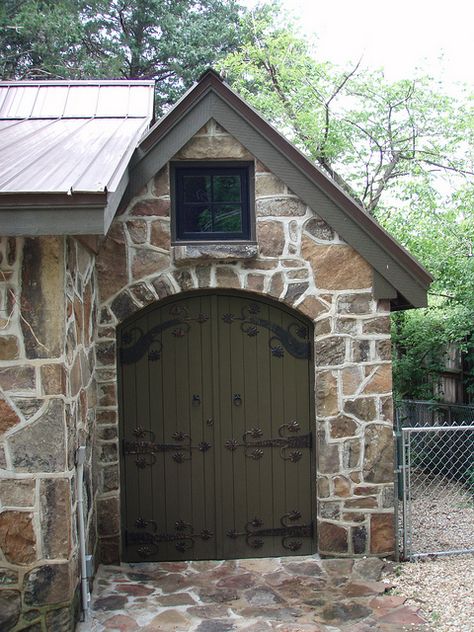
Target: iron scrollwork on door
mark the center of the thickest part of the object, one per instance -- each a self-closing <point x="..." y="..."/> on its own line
<point x="290" y="446"/>
<point x="145" y="450"/>
<point x="148" y="541"/>
<point x="293" y="339"/>
<point x="289" y="532"/>
<point x="135" y="342"/>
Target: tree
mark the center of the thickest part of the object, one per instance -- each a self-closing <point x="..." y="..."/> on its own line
<point x="442" y="237"/>
<point x="172" y="41"/>
<point x="40" y="39"/>
<point x="368" y="134"/>
<point x="403" y="150"/>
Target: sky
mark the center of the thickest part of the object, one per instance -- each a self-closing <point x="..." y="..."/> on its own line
<point x="397" y="36"/>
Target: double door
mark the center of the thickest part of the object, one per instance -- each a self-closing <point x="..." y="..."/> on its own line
<point x="216" y="441"/>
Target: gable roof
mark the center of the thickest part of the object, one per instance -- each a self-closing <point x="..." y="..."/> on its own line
<point x="102" y="159"/>
<point x="65" y="149"/>
<point x="397" y="275"/>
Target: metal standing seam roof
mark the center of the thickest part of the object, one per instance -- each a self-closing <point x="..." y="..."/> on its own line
<point x="68" y="138"/>
<point x="71" y="152"/>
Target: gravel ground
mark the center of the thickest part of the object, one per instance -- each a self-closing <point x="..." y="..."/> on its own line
<point x="442" y="514"/>
<point x="442" y="588"/>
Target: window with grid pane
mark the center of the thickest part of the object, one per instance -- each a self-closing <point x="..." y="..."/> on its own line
<point x="212" y="203"/>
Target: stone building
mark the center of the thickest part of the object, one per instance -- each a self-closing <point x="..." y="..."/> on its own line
<point x="208" y="314"/>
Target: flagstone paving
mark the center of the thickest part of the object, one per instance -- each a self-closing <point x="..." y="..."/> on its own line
<point x="292" y="594"/>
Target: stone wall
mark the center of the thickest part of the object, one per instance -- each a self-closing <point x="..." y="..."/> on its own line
<point x="47" y="408"/>
<point x="302" y="262"/>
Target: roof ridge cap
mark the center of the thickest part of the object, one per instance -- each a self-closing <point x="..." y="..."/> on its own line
<point x="76" y="82"/>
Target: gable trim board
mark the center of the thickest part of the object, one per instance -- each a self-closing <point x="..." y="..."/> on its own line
<point x="212" y="98"/>
<point x="397" y="275"/>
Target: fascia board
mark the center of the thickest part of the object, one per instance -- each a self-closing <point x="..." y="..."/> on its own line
<point x="58" y="221"/>
<point x="211" y="105"/>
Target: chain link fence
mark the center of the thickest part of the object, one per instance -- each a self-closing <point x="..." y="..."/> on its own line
<point x="435" y="452"/>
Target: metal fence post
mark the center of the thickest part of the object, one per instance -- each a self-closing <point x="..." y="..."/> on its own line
<point x="396" y="492"/>
<point x="405" y="495"/>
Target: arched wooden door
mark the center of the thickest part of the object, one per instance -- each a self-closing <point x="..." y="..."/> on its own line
<point x="215" y="408"/>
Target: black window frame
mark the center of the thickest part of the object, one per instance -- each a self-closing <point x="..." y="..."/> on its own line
<point x="245" y="169"/>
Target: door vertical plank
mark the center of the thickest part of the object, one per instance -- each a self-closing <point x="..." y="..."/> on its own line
<point x="142" y="406"/>
<point x="303" y="407"/>
<point x="240" y="420"/>
<point x="265" y="414"/>
<point x="220" y="382"/>
<point x="278" y="364"/>
<point x="180" y="460"/>
<point x="157" y="370"/>
<point x="201" y="410"/>
<point x="170" y="397"/>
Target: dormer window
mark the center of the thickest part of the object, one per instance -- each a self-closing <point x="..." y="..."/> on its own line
<point x="211" y="201"/>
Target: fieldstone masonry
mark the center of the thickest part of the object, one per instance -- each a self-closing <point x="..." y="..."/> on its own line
<point x="48" y="395"/>
<point x="302" y="262"/>
<point x="59" y="309"/>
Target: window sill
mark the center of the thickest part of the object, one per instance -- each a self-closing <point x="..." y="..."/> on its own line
<point x="203" y="253"/>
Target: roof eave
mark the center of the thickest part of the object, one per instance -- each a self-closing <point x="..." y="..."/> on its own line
<point x="36" y="199"/>
<point x="53" y="213"/>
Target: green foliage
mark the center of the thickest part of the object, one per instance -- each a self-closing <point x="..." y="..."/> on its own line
<point x="372" y="136"/>
<point x="172" y="41"/>
<point x="402" y="149"/>
<point x="419" y="352"/>
<point x="439" y="231"/>
<point x="40" y="38"/>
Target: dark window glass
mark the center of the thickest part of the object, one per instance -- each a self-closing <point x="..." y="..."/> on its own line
<point x="227" y="188"/>
<point x="212" y="203"/>
<point x="197" y="219"/>
<point x="196" y="189"/>
<point x="228" y="218"/>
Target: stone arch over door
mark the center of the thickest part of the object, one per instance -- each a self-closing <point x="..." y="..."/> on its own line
<point x="216" y="419"/>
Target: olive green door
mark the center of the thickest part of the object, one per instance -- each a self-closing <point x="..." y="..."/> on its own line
<point x="215" y="408"/>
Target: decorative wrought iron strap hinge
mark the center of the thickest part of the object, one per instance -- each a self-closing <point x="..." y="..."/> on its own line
<point x="135" y="342"/>
<point x="148" y="541"/>
<point x="293" y="339"/>
<point x="289" y="533"/>
<point x="145" y="451"/>
<point x="290" y="446"/>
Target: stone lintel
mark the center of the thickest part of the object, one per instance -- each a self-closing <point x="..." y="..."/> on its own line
<point x="197" y="253"/>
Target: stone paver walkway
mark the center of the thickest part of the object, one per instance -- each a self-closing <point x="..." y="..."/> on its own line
<point x="293" y="594"/>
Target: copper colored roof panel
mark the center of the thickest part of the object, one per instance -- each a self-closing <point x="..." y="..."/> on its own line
<point x="70" y="137"/>
<point x="66" y="155"/>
